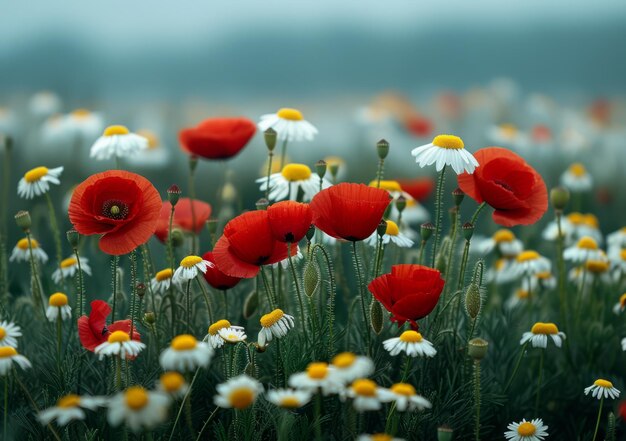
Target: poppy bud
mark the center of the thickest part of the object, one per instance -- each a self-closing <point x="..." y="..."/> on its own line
<point x="441" y="262"/>
<point x="178" y="237"/>
<point x="193" y="163"/>
<point x="310" y="233"/>
<point x="149" y="318"/>
<point x="382" y="147"/>
<point x="270" y="138"/>
<point x="211" y="225"/>
<point x="320" y="167"/>
<point x="333" y="168"/>
<point x="473" y="300"/>
<point x="140" y="289"/>
<point x="426" y="231"/>
<point x="262" y="204"/>
<point x="477" y="348"/>
<point x="173" y="194"/>
<point x="400" y="203"/>
<point x="382" y="228"/>
<point x="73" y="237"/>
<point x="444" y="433"/>
<point x="22" y="219"/>
<point x="376" y="316"/>
<point x="250" y="304"/>
<point x="559" y="197"/>
<point x="468" y="230"/>
<point x="311" y="276"/>
<point x="458" y="196"/>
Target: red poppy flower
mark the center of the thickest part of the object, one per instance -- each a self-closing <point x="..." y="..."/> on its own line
<point x="215" y="277"/>
<point x="419" y="126"/>
<point x="409" y="292"/>
<point x="248" y="243"/>
<point x="419" y="188"/>
<point x="217" y="138"/>
<point x="622" y="410"/>
<point x="289" y="220"/>
<point x="349" y="211"/>
<point x="93" y="330"/>
<point x="120" y="205"/>
<point x="182" y="217"/>
<point x="506" y="182"/>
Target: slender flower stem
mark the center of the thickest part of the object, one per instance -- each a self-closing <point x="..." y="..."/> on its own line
<point x="539" y="381"/>
<point x="420" y="260"/>
<point x="283" y="154"/>
<point x="268" y="289"/>
<point x="6" y="405"/>
<point x="114" y="262"/>
<point x="461" y="280"/>
<point x="188" y="307"/>
<point x="595" y="432"/>
<point x="118" y="373"/>
<point x="318" y="416"/>
<point x="439" y="213"/>
<point x="517" y="364"/>
<point x="477" y="212"/>
<point x="477" y="399"/>
<point x="6" y="180"/>
<point x="206" y="298"/>
<point x="269" y="173"/>
<point x="133" y="290"/>
<point x="407" y="368"/>
<point x="54" y="226"/>
<point x="59" y="339"/>
<point x="180" y="409"/>
<point x="206" y="423"/>
<point x="34" y="406"/>
<point x="357" y="265"/>
<point x="298" y="292"/>
<point x="561" y="267"/>
<point x="81" y="285"/>
<point x="379" y="172"/>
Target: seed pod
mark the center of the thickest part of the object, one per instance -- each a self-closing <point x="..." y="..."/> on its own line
<point x="73" y="238"/>
<point x="149" y="318"/>
<point x="426" y="231"/>
<point x="173" y="194"/>
<point x="441" y="261"/>
<point x="320" y="168"/>
<point x="22" y="219"/>
<point x="473" y="300"/>
<point x="559" y="197"/>
<point x="458" y="196"/>
<point x="444" y="433"/>
<point x="376" y="316"/>
<point x="250" y="304"/>
<point x="382" y="148"/>
<point x="311" y="277"/>
<point x="270" y="138"/>
<point x="178" y="237"/>
<point x="468" y="230"/>
<point x="477" y="348"/>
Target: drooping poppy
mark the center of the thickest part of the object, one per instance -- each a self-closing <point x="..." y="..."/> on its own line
<point x="183" y="217"/>
<point x="419" y="188"/>
<point x="289" y="220"/>
<point x="507" y="183"/>
<point x="349" y="211"/>
<point x="122" y="206"/>
<point x="93" y="330"/>
<point x="409" y="292"/>
<point x="217" y="138"/>
<point x="246" y="244"/>
<point x="215" y="277"/>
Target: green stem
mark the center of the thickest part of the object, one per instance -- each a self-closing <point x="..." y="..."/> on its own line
<point x="206" y="299"/>
<point x="206" y="423"/>
<point x="6" y="405"/>
<point x="379" y="172"/>
<point x="268" y="289"/>
<point x="595" y="432"/>
<point x="283" y="154"/>
<point x="407" y="369"/>
<point x="421" y="255"/>
<point x="539" y="381"/>
<point x="269" y="173"/>
<point x="357" y="265"/>
<point x="118" y="373"/>
<point x="59" y="340"/>
<point x="114" y="262"/>
<point x="439" y="213"/>
<point x="188" y="311"/>
<point x="318" y="416"/>
<point x="517" y="364"/>
<point x="133" y="290"/>
<point x="298" y="292"/>
<point x="477" y="398"/>
<point x="36" y="281"/>
<point x="561" y="267"/>
<point x="54" y="226"/>
<point x="476" y="213"/>
<point x="180" y="409"/>
<point x="81" y="285"/>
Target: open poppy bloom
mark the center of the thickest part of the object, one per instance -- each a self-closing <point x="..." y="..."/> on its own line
<point x="505" y="181"/>
<point x="120" y="205"/>
<point x="289" y="220"/>
<point x="217" y="138"/>
<point x="93" y="330"/>
<point x="248" y="243"/>
<point x="215" y="277"/>
<point x="183" y="217"/>
<point x="349" y="211"/>
<point x="418" y="188"/>
<point x="409" y="292"/>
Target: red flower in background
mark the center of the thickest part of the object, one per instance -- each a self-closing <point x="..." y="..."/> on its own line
<point x="289" y="220"/>
<point x="248" y="243"/>
<point x="419" y="188"/>
<point x="217" y="138"/>
<point x="93" y="331"/>
<point x="508" y="184"/>
<point x="419" y="126"/>
<point x="349" y="211"/>
<point x="120" y="205"/>
<point x="622" y="410"/>
<point x="183" y="218"/>
<point x="409" y="292"/>
<point x="215" y="277"/>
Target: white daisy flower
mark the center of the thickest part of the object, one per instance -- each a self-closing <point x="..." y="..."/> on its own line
<point x="138" y="408"/>
<point x="232" y="335"/>
<point x="288" y="398"/>
<point x="8" y="121"/>
<point x="617" y="239"/>
<point x="173" y="384"/>
<point x="292" y="178"/>
<point x="69" y="267"/>
<point x="161" y="281"/>
<point x="58" y="304"/>
<point x="289" y="124"/>
<point x="8" y="356"/>
<point x="624" y="344"/>
<point x="413" y="214"/>
<point x="446" y="150"/>
<point x="275" y="324"/>
<point x="585" y="249"/>
<point x="349" y="366"/>
<point x="238" y="392"/>
<point x="70" y="408"/>
<point x="574" y="227"/>
<point x="530" y="263"/>
<point x="21" y="252"/>
<point x="215" y="338"/>
<point x="82" y="126"/>
<point x="318" y="377"/>
<point x="591" y="271"/>
<point x="392" y="234"/>
<point x="617" y="309"/>
<point x="411" y="343"/>
<point x="9" y="332"/>
<point x="576" y="179"/>
<point x="37" y="181"/>
<point x="189" y="267"/>
<point x="602" y="389"/>
<point x="186" y="354"/>
<point x="405" y="397"/>
<point x="365" y="394"/>
<point x="504" y="242"/>
<point x="120" y="345"/>
<point x="545" y="280"/>
<point x="533" y="430"/>
<point x="539" y="333"/>
<point x="117" y="141"/>
<point x="520" y="296"/>
<point x="378" y="437"/>
<point x="501" y="272"/>
<point x="506" y="135"/>
<point x="44" y="103"/>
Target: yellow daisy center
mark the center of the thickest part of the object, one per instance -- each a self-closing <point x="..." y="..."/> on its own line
<point x="526" y="429"/>
<point x="270" y="319"/>
<point x="118" y="337"/>
<point x="184" y="342"/>
<point x="69" y="262"/>
<point x="575" y="218"/>
<point x="115" y="130"/>
<point x="296" y="172"/>
<point x="587" y="243"/>
<point x="290" y="114"/>
<point x="499" y="264"/>
<point x="289" y="402"/>
<point x="597" y="266"/>
<point x="153" y="140"/>
<point x="381" y="437"/>
<point x="591" y="220"/>
<point x="3" y="333"/>
<point x="508" y="130"/>
<point x="136" y="397"/>
<point x="622" y="254"/>
<point x="71" y="400"/>
<point x="403" y="389"/>
<point x="392" y="228"/>
<point x="190" y="261"/>
<point x="7" y="351"/>
<point x="81" y="113"/>
<point x="164" y="275"/>
<point x="387" y="185"/>
<point x="35" y="174"/>
<point x="544" y="328"/>
<point x="22" y="244"/>
<point x="503" y="235"/>
<point x="603" y="383"/>
<point x="578" y="170"/>
<point x="622" y="301"/>
<point x="344" y="360"/>
<point x="448" y="142"/>
<point x="57" y="299"/>
<point x="172" y="381"/>
<point x="364" y="387"/>
<point x="411" y="337"/>
<point x="522" y="294"/>
<point x="220" y="324"/>
<point x="241" y="398"/>
<point x="544" y="275"/>
<point x="317" y="371"/>
<point x="525" y="256"/>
